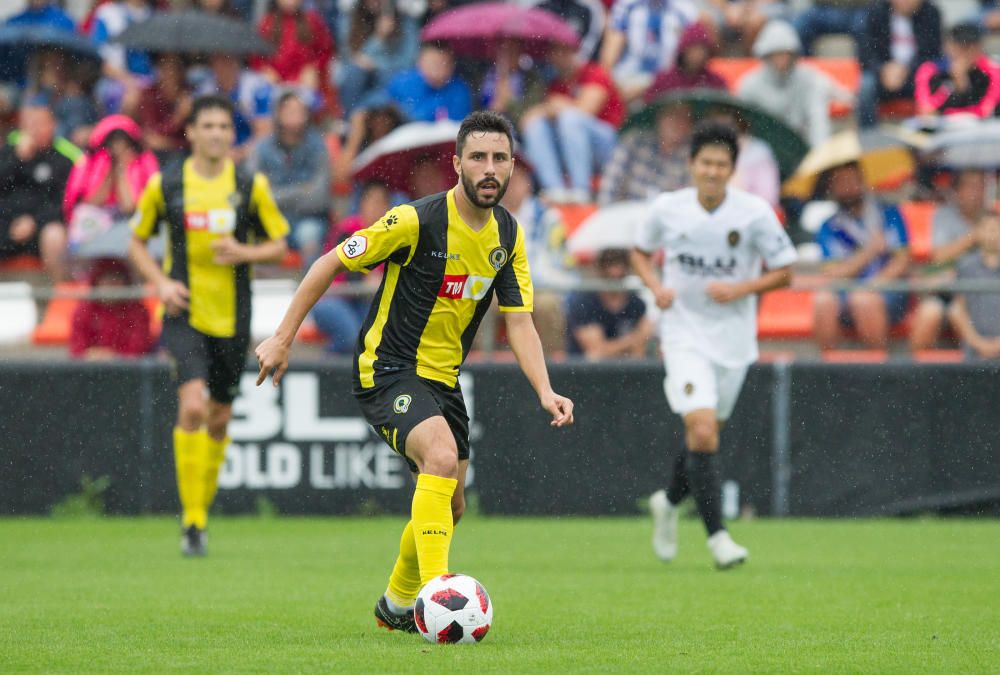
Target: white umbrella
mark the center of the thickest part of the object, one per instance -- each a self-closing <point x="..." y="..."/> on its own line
<point x="974" y="146"/>
<point x="613" y="226"/>
<point x="391" y="159"/>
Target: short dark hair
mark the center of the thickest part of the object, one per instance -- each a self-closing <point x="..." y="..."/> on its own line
<point x="611" y="257"/>
<point x="967" y="33"/>
<point x="715" y="133"/>
<point x="483" y="121"/>
<point x="210" y="102"/>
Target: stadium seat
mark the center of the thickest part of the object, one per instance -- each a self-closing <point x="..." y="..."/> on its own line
<point x="856" y="356"/>
<point x="785" y="314"/>
<point x="919" y="216"/>
<point x="21" y="263"/>
<point x="939" y="356"/>
<point x="19" y="312"/>
<point x="55" y="327"/>
<point x="574" y="214"/>
<point x="309" y="333"/>
<point x="292" y="260"/>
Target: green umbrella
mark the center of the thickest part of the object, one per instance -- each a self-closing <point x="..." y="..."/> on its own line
<point x="787" y="145"/>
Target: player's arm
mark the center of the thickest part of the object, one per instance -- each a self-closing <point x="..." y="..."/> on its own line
<point x="144" y="222"/>
<point x="771" y="242"/>
<point x="523" y="339"/>
<point x="642" y="264"/>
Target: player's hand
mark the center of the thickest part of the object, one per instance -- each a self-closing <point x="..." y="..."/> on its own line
<point x="664" y="297"/>
<point x="560" y="407"/>
<point x="272" y="356"/>
<point x="724" y="293"/>
<point x="174" y="296"/>
<point x="228" y="251"/>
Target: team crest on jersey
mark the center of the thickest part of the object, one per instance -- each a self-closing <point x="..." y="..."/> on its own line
<point x="688" y="389"/>
<point x="498" y="257"/>
<point x="401" y="404"/>
<point x="356" y="246"/>
<point x="733" y="238"/>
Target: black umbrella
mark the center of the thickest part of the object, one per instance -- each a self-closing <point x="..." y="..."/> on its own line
<point x="192" y="32"/>
<point x="18" y="42"/>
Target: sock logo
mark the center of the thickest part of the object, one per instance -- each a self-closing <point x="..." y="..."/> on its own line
<point x="443" y="533"/>
<point x="401" y="404"/>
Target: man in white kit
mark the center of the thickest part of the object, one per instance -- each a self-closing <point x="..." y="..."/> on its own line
<point x="717" y="240"/>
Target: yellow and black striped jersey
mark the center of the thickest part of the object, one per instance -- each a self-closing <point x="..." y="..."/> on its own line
<point x="198" y="211"/>
<point x="440" y="277"/>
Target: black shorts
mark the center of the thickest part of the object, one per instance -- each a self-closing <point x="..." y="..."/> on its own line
<point x="396" y="405"/>
<point x="218" y="361"/>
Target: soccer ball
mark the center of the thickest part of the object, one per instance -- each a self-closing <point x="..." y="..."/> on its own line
<point x="453" y="608"/>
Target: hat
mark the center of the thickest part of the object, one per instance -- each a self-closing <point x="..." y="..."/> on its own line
<point x="777" y="36"/>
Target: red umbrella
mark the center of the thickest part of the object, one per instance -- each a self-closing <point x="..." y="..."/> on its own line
<point x="476" y="30"/>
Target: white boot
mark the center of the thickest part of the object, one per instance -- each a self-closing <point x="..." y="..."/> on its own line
<point x="664" y="526"/>
<point x="727" y="553"/>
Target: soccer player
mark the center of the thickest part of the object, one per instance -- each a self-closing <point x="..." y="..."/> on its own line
<point x="220" y="220"/>
<point x="445" y="256"/>
<point x="716" y="238"/>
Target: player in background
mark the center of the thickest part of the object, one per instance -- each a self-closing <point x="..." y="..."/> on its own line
<point x="220" y="220"/>
<point x="715" y="239"/>
<point x="445" y="256"/>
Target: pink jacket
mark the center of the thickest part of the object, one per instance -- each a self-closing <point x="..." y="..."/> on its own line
<point x="90" y="172"/>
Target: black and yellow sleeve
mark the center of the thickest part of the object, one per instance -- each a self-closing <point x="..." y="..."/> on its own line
<point x="150" y="209"/>
<point x="274" y="224"/>
<point x="514" y="290"/>
<point x="393" y="236"/>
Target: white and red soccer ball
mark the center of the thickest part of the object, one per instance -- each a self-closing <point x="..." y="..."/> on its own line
<point x="453" y="608"/>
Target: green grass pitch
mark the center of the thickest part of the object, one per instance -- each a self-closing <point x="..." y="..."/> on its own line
<point x="570" y="595"/>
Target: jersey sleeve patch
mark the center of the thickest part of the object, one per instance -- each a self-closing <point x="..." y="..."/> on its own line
<point x="356" y="246"/>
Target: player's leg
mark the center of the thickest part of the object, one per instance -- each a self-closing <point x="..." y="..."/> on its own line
<point x="216" y="440"/>
<point x="227" y="359"/>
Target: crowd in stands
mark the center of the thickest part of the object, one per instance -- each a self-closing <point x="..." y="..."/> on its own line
<point x="84" y="134"/>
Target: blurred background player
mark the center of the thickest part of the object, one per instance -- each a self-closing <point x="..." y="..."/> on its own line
<point x="220" y="220"/>
<point x="406" y="378"/>
<point x="716" y="238"/>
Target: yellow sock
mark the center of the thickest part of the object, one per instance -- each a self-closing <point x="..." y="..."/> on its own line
<point x="404" y="582"/>
<point x="432" y="524"/>
<point x="215" y="457"/>
<point x="189" y="456"/>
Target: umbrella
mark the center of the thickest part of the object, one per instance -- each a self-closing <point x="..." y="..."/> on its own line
<point x="193" y="32"/>
<point x="17" y="43"/>
<point x="613" y="226"/>
<point x="975" y="146"/>
<point x="884" y="160"/>
<point x="477" y="29"/>
<point x="391" y="158"/>
<point x="787" y="146"/>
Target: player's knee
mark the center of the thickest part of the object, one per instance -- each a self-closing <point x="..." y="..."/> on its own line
<point x="442" y="462"/>
<point x="218" y="421"/>
<point x="191" y="414"/>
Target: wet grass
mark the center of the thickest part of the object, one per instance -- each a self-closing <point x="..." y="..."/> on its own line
<point x="570" y="595"/>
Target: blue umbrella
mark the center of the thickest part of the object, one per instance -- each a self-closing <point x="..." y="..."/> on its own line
<point x="17" y="43"/>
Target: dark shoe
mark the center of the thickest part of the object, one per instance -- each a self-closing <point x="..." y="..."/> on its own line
<point x="193" y="542"/>
<point x="386" y="618"/>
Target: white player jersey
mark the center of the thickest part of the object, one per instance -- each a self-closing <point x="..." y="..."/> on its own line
<point x="730" y="244"/>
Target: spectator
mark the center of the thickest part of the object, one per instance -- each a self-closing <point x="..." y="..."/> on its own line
<point x="690" y="71"/>
<point x="427" y="177"/>
<point x="104" y="329"/>
<point x="863" y="240"/>
<point x="648" y="162"/>
<point x="608" y="324"/>
<point x="366" y="127"/>
<point x="377" y="41"/>
<point x="790" y="91"/>
<point x="739" y="21"/>
<point x="43" y="13"/>
<point x="303" y="48"/>
<point x="126" y="71"/>
<point x="899" y="36"/>
<point x="165" y="106"/>
<point x="545" y="236"/>
<point x="251" y="95"/>
<point x="964" y="81"/>
<point x="67" y="85"/>
<point x="989" y="14"/>
<point x="295" y="160"/>
<point x="976" y="316"/>
<point x="105" y="184"/>
<point x="225" y="8"/>
<point x="431" y="91"/>
<point x="642" y="39"/>
<point x="586" y="17"/>
<point x="339" y="317"/>
<point x="826" y="17"/>
<point x="581" y="117"/>
<point x="513" y="84"/>
<point x="953" y="239"/>
<point x="34" y="167"/>
<point x="757" y="169"/>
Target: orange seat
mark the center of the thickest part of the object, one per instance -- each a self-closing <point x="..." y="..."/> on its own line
<point x="939" y="356"/>
<point x="785" y="314"/>
<point x="310" y="333"/>
<point x="292" y="260"/>
<point x="574" y="214"/>
<point x="919" y="217"/>
<point x="21" y="263"/>
<point x="152" y="303"/>
<point x="55" y="326"/>
<point x="855" y="356"/>
<point x="897" y="109"/>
